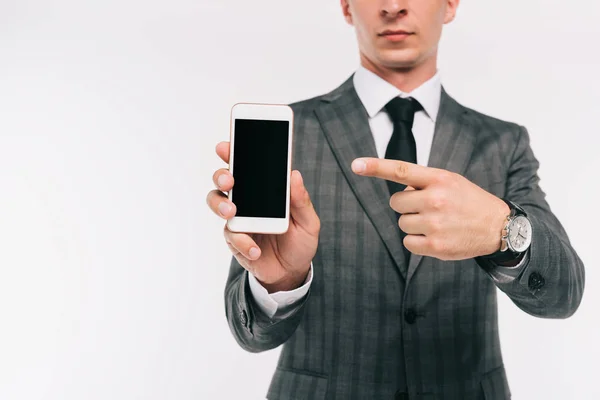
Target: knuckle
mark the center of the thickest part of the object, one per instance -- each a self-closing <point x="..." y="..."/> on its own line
<point x="437" y="200"/>
<point x="317" y="223"/>
<point x="435" y="225"/>
<point x="400" y="170"/>
<point x="306" y="197"/>
<point x="444" y="257"/>
<point x="443" y="176"/>
<point x="436" y="245"/>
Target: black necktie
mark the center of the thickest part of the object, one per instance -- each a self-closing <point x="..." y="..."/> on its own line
<point x="402" y="144"/>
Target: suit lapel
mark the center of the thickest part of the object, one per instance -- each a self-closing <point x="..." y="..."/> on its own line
<point x="346" y="126"/>
<point x="453" y="143"/>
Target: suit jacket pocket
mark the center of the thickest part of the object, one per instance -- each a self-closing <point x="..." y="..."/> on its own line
<point x="297" y="385"/>
<point x="495" y="385"/>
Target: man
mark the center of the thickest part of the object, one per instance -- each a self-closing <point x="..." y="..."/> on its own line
<point x="384" y="286"/>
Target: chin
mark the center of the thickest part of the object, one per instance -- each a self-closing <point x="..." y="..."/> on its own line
<point x="399" y="58"/>
<point x="399" y="63"/>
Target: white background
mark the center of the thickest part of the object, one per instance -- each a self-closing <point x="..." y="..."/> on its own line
<point x="112" y="268"/>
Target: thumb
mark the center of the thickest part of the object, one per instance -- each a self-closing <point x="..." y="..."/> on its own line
<point x="301" y="207"/>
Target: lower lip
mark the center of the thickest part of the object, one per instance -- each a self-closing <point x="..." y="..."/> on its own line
<point x="396" y="37"/>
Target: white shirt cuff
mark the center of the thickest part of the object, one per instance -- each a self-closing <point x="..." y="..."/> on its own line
<point x="269" y="303"/>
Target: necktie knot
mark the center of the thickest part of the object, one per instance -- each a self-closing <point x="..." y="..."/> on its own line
<point x="403" y="109"/>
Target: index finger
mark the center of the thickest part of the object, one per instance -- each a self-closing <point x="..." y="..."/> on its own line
<point x="403" y="172"/>
<point x="222" y="150"/>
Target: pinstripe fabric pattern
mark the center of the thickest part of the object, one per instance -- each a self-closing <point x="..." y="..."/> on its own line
<point x="349" y="338"/>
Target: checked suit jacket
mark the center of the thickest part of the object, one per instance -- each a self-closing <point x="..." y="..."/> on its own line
<point x="372" y="325"/>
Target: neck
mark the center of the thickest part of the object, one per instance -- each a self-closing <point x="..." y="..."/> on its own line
<point x="405" y="79"/>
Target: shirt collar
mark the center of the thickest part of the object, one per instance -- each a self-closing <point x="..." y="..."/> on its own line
<point x="375" y="92"/>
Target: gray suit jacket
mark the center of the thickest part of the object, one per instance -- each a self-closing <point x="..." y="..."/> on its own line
<point x="373" y="324"/>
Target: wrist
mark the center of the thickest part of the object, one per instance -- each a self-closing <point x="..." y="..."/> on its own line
<point x="287" y="283"/>
<point x="497" y="226"/>
<point x="516" y="236"/>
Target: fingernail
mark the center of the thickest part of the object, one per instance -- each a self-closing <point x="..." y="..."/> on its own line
<point x="224" y="208"/>
<point x="254" y="252"/>
<point x="222" y="181"/>
<point x="359" y="166"/>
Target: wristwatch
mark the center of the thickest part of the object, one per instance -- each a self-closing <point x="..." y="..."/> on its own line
<point x="516" y="234"/>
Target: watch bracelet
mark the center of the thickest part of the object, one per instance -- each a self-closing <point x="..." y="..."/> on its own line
<point x="504" y="253"/>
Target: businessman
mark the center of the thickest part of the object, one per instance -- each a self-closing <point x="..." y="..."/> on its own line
<point x="408" y="210"/>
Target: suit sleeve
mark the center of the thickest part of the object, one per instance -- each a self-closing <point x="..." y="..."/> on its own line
<point x="253" y="329"/>
<point x="550" y="283"/>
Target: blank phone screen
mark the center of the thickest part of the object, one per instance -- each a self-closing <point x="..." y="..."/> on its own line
<point x="260" y="157"/>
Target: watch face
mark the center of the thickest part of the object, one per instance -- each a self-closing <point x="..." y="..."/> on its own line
<point x="519" y="236"/>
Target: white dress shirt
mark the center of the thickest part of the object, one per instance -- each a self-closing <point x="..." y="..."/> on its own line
<point x="374" y="93"/>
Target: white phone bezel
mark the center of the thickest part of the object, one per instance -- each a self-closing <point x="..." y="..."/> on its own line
<point x="272" y="112"/>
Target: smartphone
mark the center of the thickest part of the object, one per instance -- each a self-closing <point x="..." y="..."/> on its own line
<point x="260" y="159"/>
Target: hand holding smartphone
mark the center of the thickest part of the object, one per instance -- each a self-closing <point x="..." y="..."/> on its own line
<point x="275" y="238"/>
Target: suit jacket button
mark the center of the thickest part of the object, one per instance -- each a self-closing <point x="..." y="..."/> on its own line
<point x="410" y="316"/>
<point x="244" y="318"/>
<point x="536" y="281"/>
